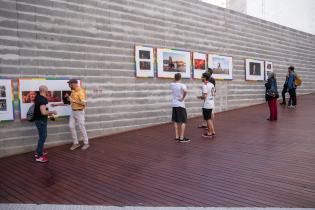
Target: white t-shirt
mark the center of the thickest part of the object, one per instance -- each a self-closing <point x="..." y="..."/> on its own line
<point x="178" y="90"/>
<point x="208" y="89"/>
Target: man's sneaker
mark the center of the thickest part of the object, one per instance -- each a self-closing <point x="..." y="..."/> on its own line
<point x="44" y="154"/>
<point x="42" y="159"/>
<point x="85" y="146"/>
<point x="291" y="107"/>
<point x="184" y="140"/>
<point x="74" y="146"/>
<point x="283" y="103"/>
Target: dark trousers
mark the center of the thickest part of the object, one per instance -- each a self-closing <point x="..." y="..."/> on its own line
<point x="292" y="100"/>
<point x="284" y="91"/>
<point x="273" y="109"/>
<point x="42" y="134"/>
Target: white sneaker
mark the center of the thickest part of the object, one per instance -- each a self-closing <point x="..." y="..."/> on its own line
<point x="74" y="146"/>
<point x="85" y="146"/>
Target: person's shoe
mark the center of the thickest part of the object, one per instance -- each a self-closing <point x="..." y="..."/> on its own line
<point x="202" y="126"/>
<point x="42" y="159"/>
<point x="283" y="103"/>
<point x="206" y="135"/>
<point x="74" y="146"/>
<point x="85" y="146"/>
<point x="176" y="139"/>
<point x="184" y="140"/>
<point x="44" y="154"/>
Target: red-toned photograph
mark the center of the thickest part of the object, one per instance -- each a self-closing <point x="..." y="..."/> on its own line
<point x="200" y="64"/>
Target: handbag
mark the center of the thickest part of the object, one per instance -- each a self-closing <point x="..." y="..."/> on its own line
<point x="272" y="93"/>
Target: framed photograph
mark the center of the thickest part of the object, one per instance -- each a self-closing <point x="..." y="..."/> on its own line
<point x="222" y="66"/>
<point x="144" y="57"/>
<point x="58" y="90"/>
<point x="254" y="70"/>
<point x="170" y="62"/>
<point x="6" y="100"/>
<point x="268" y="69"/>
<point x="199" y="64"/>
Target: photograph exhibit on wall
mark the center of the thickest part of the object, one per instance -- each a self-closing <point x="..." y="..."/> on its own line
<point x="199" y="64"/>
<point x="222" y="66"/>
<point x="58" y="92"/>
<point x="170" y="62"/>
<point x="268" y="69"/>
<point x="144" y="61"/>
<point x="6" y="100"/>
<point x="254" y="70"/>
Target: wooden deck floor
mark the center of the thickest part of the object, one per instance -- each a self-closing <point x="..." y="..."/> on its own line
<point x="252" y="162"/>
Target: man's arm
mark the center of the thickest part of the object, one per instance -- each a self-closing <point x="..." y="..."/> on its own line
<point x="43" y="110"/>
<point x="59" y="104"/>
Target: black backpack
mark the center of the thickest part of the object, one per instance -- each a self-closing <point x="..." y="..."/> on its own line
<point x="30" y="113"/>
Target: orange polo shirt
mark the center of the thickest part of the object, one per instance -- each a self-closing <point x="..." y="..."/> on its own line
<point x="78" y="95"/>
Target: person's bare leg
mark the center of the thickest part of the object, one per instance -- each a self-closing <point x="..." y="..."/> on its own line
<point x="209" y="127"/>
<point x="182" y="130"/>
<point x="176" y="130"/>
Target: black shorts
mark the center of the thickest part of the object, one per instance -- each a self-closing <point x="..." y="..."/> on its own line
<point x="179" y="115"/>
<point x="207" y="114"/>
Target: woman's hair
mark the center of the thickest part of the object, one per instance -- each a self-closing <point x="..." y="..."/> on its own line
<point x="272" y="75"/>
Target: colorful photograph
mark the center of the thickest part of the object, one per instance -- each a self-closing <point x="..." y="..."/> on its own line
<point x="254" y="68"/>
<point x="54" y="96"/>
<point x="65" y="96"/>
<point x="174" y="62"/>
<point x="200" y="64"/>
<point x="144" y="54"/>
<point x="3" y="105"/>
<point x="144" y="65"/>
<point x="29" y="96"/>
<point x="2" y="91"/>
<point x="221" y="65"/>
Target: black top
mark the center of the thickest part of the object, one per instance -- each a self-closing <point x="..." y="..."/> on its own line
<point x="40" y="100"/>
<point x="212" y="80"/>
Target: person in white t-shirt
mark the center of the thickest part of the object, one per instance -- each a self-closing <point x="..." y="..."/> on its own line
<point x="179" y="114"/>
<point x="212" y="80"/>
<point x="208" y="93"/>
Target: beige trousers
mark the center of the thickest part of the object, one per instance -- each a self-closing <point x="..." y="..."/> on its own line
<point x="78" y="117"/>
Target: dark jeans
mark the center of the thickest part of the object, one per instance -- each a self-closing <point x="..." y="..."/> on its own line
<point x="284" y="91"/>
<point x="292" y="100"/>
<point x="42" y="134"/>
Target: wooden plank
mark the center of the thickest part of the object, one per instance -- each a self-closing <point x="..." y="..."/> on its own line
<point x="252" y="162"/>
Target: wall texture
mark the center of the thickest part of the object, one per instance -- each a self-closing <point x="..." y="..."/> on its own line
<point x="94" y="40"/>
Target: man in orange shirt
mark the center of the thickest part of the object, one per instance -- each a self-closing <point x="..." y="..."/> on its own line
<point x="78" y="103"/>
<point x="77" y="100"/>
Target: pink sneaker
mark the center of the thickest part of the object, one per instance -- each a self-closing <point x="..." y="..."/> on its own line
<point x="42" y="159"/>
<point x="44" y="153"/>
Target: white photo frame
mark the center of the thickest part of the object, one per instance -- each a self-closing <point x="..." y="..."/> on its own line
<point x="58" y="89"/>
<point x="254" y="70"/>
<point x="268" y="69"/>
<point x="144" y="58"/>
<point x="170" y="62"/>
<point x="199" y="64"/>
<point x="6" y="100"/>
<point x="222" y="66"/>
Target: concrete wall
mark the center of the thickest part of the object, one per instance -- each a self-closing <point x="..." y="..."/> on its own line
<point x="94" y="40"/>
